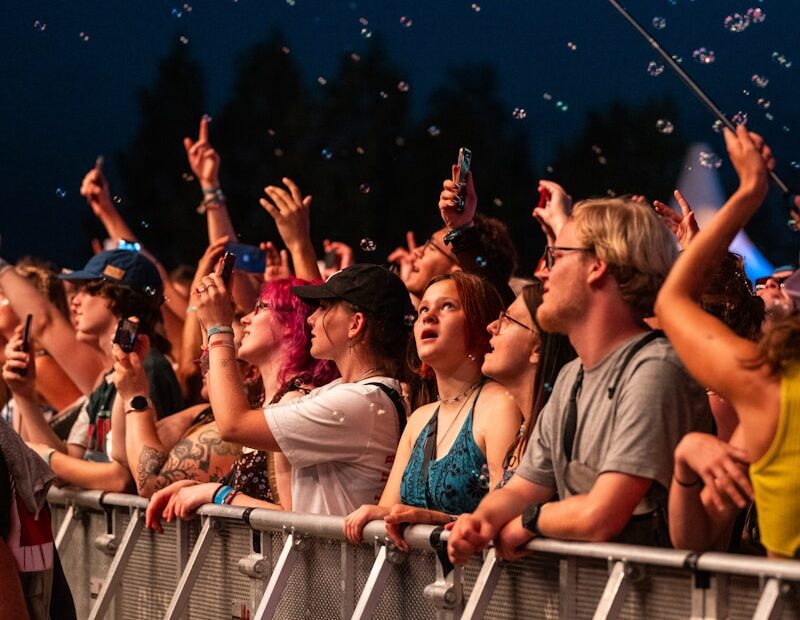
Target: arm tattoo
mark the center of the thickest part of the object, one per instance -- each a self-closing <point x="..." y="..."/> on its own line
<point x="191" y="457"/>
<point x="150" y="462"/>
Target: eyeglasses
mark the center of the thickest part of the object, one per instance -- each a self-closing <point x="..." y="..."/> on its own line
<point x="550" y="253"/>
<point x="505" y="318"/>
<point x="261" y="305"/>
<point x="430" y="243"/>
<point x="761" y="283"/>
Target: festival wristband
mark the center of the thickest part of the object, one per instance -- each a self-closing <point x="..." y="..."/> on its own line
<point x="222" y="494"/>
<point x="219" y="329"/>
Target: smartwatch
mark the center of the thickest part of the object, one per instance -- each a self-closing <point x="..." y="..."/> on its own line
<point x="530" y="519"/>
<point x="137" y="403"/>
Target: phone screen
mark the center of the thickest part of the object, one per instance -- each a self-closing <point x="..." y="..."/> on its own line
<point x="464" y="161"/>
<point x="126" y="334"/>
<point x="248" y="257"/>
<point x="228" y="261"/>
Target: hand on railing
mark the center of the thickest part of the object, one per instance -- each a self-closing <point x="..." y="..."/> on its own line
<point x="354" y="522"/>
<point x="468" y="535"/>
<point x="162" y="504"/>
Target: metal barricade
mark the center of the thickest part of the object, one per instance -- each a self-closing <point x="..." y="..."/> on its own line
<point x="232" y="562"/>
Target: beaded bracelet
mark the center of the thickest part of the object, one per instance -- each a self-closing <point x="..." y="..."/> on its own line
<point x="220" y="343"/>
<point x="219" y="329"/>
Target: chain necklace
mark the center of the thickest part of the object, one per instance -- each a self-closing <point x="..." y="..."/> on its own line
<point x="367" y="373"/>
<point x="458" y="414"/>
<point x="455" y="399"/>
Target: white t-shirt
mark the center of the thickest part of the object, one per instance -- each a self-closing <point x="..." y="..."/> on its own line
<point x="340" y="440"/>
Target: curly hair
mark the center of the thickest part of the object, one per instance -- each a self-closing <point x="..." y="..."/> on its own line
<point x="637" y="247"/>
<point x="730" y="298"/>
<point x="43" y="275"/>
<point x="779" y="347"/>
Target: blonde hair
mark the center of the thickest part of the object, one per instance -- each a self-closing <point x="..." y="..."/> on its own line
<point x="630" y="238"/>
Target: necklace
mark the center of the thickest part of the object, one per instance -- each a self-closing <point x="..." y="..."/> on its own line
<point x="455" y="417"/>
<point x="367" y="373"/>
<point x="455" y="399"/>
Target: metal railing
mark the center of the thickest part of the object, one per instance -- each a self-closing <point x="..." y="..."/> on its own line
<point x="233" y="562"/>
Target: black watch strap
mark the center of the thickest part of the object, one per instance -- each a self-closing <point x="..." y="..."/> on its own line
<point x="138" y="403"/>
<point x="530" y="519"/>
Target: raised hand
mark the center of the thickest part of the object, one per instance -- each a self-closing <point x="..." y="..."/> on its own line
<point x="683" y="226"/>
<point x="203" y="159"/>
<point x="129" y="375"/>
<point x="404" y="257"/>
<point x="721" y="466"/>
<point x="752" y="159"/>
<point x="344" y="256"/>
<point x="94" y="188"/>
<point x="289" y="208"/>
<point x="449" y="200"/>
<point x="553" y="210"/>
<point x="276" y="264"/>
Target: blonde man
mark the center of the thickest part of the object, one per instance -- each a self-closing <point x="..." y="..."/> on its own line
<point x="603" y="444"/>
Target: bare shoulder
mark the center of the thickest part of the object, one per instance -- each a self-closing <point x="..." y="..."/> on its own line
<point x="495" y="398"/>
<point x="420" y="417"/>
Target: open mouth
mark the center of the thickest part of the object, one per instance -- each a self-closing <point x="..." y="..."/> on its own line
<point x="428" y="334"/>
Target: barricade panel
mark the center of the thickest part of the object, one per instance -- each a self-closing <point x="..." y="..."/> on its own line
<point x="528" y="588"/>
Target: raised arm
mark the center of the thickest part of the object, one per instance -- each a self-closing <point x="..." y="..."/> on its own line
<point x="708" y="348"/>
<point x="289" y="209"/>
<point x="204" y="162"/>
<point x="82" y="362"/>
<point x="94" y="188"/>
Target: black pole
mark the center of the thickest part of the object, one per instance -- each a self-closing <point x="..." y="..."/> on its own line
<point x="691" y="84"/>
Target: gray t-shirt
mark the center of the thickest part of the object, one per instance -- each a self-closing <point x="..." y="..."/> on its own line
<point x="635" y="432"/>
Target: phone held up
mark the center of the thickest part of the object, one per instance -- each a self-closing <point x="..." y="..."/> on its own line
<point x="249" y="258"/>
<point x="463" y="164"/>
<point x="228" y="261"/>
<point x="125" y="337"/>
<point x="26" y="342"/>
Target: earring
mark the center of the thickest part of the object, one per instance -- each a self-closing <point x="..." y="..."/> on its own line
<point x="471" y="357"/>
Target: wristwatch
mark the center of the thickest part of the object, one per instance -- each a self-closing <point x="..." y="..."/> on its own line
<point x="138" y="403"/>
<point x="530" y="519"/>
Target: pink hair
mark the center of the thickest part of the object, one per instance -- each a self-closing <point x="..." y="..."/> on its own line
<point x="298" y="365"/>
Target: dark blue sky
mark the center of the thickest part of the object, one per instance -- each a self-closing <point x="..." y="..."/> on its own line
<point x="65" y="99"/>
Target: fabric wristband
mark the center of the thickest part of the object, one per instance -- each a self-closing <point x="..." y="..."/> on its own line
<point x="219" y="329"/>
<point x="221" y="494"/>
<point x="48" y="456"/>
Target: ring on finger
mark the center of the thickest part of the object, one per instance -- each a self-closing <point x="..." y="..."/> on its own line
<point x="201" y="289"/>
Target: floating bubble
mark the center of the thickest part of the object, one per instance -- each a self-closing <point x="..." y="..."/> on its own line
<point x="476" y="7"/>
<point x="611" y="193"/>
<point x="322" y="81"/>
<point x="278" y="152"/>
<point x="786" y="128"/>
<point x="736" y="22"/>
<point x="764" y="103"/>
<point x="759" y="80"/>
<point x="360" y="150"/>
<point x="403" y="87"/>
<point x="285" y="50"/>
<point x="184" y="39"/>
<point x="707" y="159"/>
<point x="355" y="57"/>
<point x="572" y="46"/>
<point x="498" y="202"/>
<point x="602" y="160"/>
<point x="795" y="165"/>
<point x="177" y="13"/>
<point x="40" y="26"/>
<point x="400" y="141"/>
<point x="659" y="23"/>
<point x="769" y="116"/>
<point x="187" y="7"/>
<point x="367" y="244"/>
<point x="434" y="131"/>
<point x="740" y="118"/>
<point x="547" y="96"/>
<point x="366" y="33"/>
<point x="745" y="92"/>
<point x="549" y="169"/>
<point x="83" y="36"/>
<point x="664" y="126"/>
<point x="149" y="290"/>
<point x="117" y="200"/>
<point x="383" y="94"/>
<point x="519" y="113"/>
<point x="560" y="105"/>
<point x="188" y="177"/>
<point x="364" y="188"/>
<point x="409" y="320"/>
<point x="363" y="21"/>
<point x="781" y="60"/>
<point x="406" y="22"/>
<point x="208" y="118"/>
<point x="704" y="56"/>
<point x="756" y="16"/>
<point x="290" y="2"/>
<point x="677" y="58"/>
<point x="481" y="261"/>
<point x="326" y="154"/>
<point x="655" y="68"/>
<point x="60" y="193"/>
<point x="271" y="132"/>
<point x="144" y="224"/>
<point x="596" y="149"/>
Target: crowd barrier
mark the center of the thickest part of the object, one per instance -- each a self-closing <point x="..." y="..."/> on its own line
<point x="232" y="562"/>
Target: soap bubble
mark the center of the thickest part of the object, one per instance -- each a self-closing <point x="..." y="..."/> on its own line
<point x="117" y="200"/>
<point x="208" y="118"/>
<point x="40" y="26"/>
<point x="400" y="141"/>
<point x="83" y="36"/>
<point x="177" y="13"/>
<point x="740" y="118"/>
<point x="602" y="160"/>
<point x="149" y="290"/>
<point x="409" y="320"/>
<point x="366" y="33"/>
<point x="403" y="87"/>
<point x="326" y="154"/>
<point x="278" y="152"/>
<point x="498" y="202"/>
<point x="760" y="80"/>
<point x="481" y="261"/>
<point x="756" y="16"/>
<point x="144" y="224"/>
<point x="355" y="57"/>
<point x="476" y="7"/>
<point x="184" y="39"/>
<point x="383" y="94"/>
<point x="769" y="116"/>
<point x="519" y="113"/>
<point x="363" y="21"/>
<point x="547" y="96"/>
<point x="664" y="126"/>
<point x="406" y="22"/>
<point x="745" y="92"/>
<point x="337" y="416"/>
<point x="596" y="149"/>
<point x="704" y="56"/>
<point x="285" y="50"/>
<point x="434" y="130"/>
<point x="367" y="244"/>
<point x="795" y="165"/>
<point x="322" y="81"/>
<point x="764" y="103"/>
<point x="290" y="2"/>
<point x="188" y="177"/>
<point x="360" y="150"/>
<point x="364" y="188"/>
<point x="707" y="159"/>
<point x="786" y="128"/>
<point x="60" y="192"/>
<point x="736" y="22"/>
<point x="560" y="105"/>
<point x="572" y="46"/>
<point x="781" y="60"/>
<point x="659" y="23"/>
<point x="655" y="68"/>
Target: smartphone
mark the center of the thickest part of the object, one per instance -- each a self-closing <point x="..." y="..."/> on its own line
<point x="248" y="257"/>
<point x="463" y="164"/>
<point x="26" y="334"/>
<point x="126" y="334"/>
<point x="228" y="261"/>
<point x="132" y="246"/>
<point x="331" y="260"/>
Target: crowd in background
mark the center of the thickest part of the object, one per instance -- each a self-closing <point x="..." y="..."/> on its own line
<point x="632" y="387"/>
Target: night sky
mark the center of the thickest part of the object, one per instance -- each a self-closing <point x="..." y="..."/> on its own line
<point x="68" y="97"/>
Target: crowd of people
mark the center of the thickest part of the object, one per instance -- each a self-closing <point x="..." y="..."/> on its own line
<point x="634" y="388"/>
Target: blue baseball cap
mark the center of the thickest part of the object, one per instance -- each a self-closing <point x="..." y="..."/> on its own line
<point x="123" y="267"/>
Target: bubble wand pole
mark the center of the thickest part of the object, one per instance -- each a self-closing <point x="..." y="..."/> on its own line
<point x="690" y="83"/>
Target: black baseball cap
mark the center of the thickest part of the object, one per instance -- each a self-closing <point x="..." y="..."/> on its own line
<point x="124" y="267"/>
<point x="371" y="288"/>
